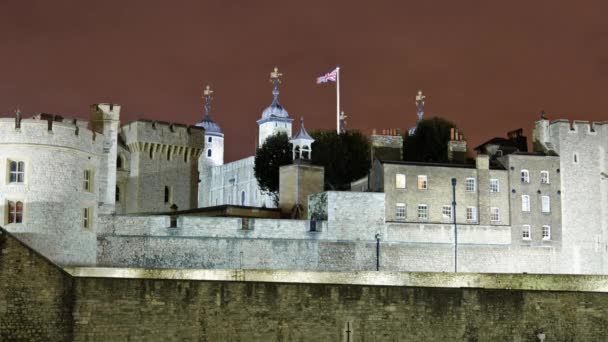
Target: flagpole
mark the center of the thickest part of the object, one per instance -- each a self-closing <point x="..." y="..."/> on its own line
<point x="338" y="101"/>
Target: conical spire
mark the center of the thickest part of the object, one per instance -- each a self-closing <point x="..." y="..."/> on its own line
<point x="302" y="134"/>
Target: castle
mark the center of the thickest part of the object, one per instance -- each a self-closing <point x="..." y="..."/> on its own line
<point x="110" y="194"/>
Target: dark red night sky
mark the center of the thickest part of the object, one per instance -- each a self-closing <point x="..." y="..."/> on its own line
<point x="489" y="66"/>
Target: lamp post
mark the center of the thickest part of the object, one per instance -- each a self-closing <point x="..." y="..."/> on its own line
<point x="455" y="227"/>
<point x="377" y="252"/>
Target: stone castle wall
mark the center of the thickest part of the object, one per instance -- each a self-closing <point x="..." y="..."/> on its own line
<point x="39" y="301"/>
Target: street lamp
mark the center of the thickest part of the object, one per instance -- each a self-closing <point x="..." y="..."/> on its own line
<point x="455" y="227"/>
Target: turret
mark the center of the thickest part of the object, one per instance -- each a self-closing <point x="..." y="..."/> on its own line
<point x="213" y="153"/>
<point x="105" y="119"/>
<point x="274" y="118"/>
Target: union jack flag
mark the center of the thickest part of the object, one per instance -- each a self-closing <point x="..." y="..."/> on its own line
<point x="331" y="76"/>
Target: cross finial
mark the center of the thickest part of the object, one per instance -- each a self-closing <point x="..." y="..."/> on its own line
<point x="207" y="92"/>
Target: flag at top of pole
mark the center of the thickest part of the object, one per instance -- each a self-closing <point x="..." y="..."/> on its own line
<point x="333" y="76"/>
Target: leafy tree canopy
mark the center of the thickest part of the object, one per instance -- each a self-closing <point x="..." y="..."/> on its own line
<point x="274" y="153"/>
<point x="346" y="157"/>
<point x="430" y="142"/>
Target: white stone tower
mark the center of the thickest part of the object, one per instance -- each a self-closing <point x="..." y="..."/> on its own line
<point x="213" y="153"/>
<point x="274" y="118"/>
<point x="105" y="119"/>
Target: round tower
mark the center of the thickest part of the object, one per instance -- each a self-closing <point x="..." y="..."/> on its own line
<point x="274" y="118"/>
<point x="213" y="153"/>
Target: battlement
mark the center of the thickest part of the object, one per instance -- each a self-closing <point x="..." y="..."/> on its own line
<point x="140" y="135"/>
<point x="580" y="126"/>
<point x="51" y="130"/>
<point x="105" y="111"/>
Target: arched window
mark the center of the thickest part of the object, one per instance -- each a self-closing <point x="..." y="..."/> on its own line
<point x="119" y="163"/>
<point x="209" y="153"/>
<point x="15" y="212"/>
<point x="525" y="203"/>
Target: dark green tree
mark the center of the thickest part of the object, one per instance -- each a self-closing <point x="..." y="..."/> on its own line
<point x="346" y="157"/>
<point x="430" y="142"/>
<point x="274" y="153"/>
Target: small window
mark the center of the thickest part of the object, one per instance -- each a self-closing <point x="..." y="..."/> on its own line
<point x="119" y="163"/>
<point x="151" y="152"/>
<point x="186" y="157"/>
<point x="546" y="232"/>
<point x="446" y="212"/>
<point x="167" y="194"/>
<point x="544" y="177"/>
<point x="494" y="185"/>
<point x="525" y="176"/>
<point x="86" y="217"/>
<point x="400" y="181"/>
<point x="243" y="198"/>
<point x="471" y="214"/>
<point x="87" y="181"/>
<point x="526" y="233"/>
<point x="494" y="214"/>
<point x="209" y="139"/>
<point x="117" y="194"/>
<point x="209" y="153"/>
<point x="422" y="182"/>
<point x="499" y="153"/>
<point x="545" y="204"/>
<point x="15" y="212"/>
<point x="16" y="172"/>
<point x="423" y="212"/>
<point x="525" y="203"/>
<point x="575" y="158"/>
<point x="400" y="212"/>
<point x="470" y="184"/>
<point x="168" y="154"/>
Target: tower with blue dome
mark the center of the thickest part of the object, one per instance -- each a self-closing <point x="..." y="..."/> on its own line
<point x="274" y="118"/>
<point x="213" y="153"/>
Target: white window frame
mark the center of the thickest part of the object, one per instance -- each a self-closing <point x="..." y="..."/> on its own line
<point x="544" y="177"/>
<point x="546" y="232"/>
<point x="545" y="204"/>
<point x="87" y="180"/>
<point x="18" y="172"/>
<point x="493" y="217"/>
<point x="526" y="232"/>
<point x="423" y="182"/>
<point x="398" y="178"/>
<point x="423" y="209"/>
<point x="525" y="203"/>
<point x="525" y="176"/>
<point x="470" y="184"/>
<point x="400" y="212"/>
<point x="494" y="184"/>
<point x="446" y="212"/>
<point x="471" y="213"/>
<point x="86" y="218"/>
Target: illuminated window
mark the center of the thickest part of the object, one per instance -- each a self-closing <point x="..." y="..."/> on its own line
<point x="422" y="182"/>
<point x="545" y="204"/>
<point x="16" y="172"/>
<point x="400" y="181"/>
<point x="15" y="212"/>
<point x="525" y="203"/>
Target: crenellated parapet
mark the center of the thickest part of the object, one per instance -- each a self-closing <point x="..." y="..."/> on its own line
<point x="163" y="137"/>
<point x="51" y="130"/>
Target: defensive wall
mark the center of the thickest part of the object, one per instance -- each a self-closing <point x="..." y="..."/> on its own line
<point x="343" y="238"/>
<point x="41" y="301"/>
<point x="55" y="153"/>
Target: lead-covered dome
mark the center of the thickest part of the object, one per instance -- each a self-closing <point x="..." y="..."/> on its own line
<point x="209" y="125"/>
<point x="275" y="110"/>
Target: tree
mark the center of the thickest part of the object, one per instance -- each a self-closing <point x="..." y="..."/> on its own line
<point x="346" y="157"/>
<point x="274" y="153"/>
<point x="430" y="142"/>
